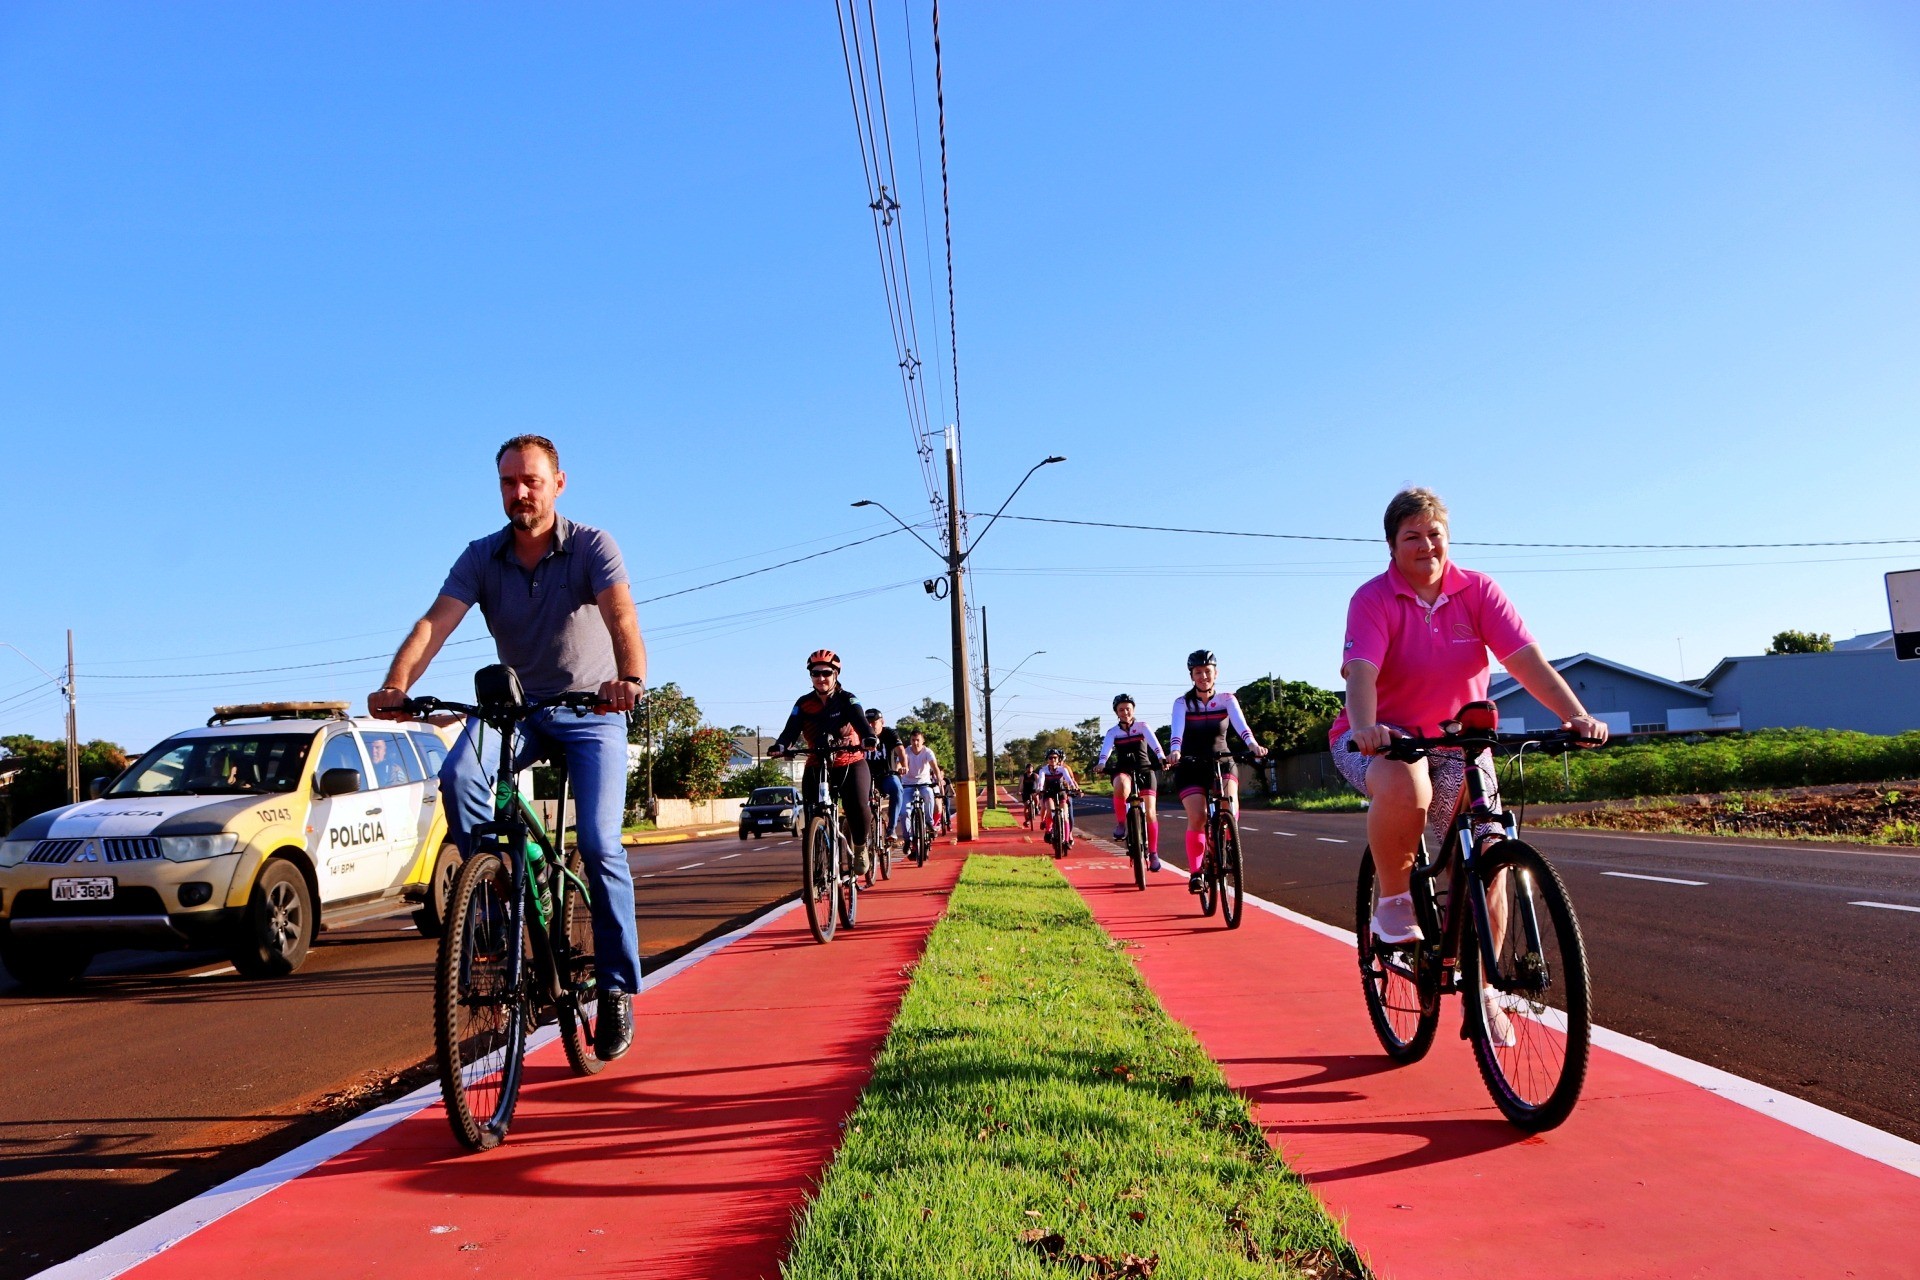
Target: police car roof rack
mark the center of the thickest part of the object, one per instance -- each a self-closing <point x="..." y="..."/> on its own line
<point x="279" y="711"/>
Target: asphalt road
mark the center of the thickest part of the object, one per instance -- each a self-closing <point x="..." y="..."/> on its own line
<point x="166" y="1074"/>
<point x="1765" y="965"/>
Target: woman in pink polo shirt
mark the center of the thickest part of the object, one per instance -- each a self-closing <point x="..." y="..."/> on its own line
<point x="1417" y="643"/>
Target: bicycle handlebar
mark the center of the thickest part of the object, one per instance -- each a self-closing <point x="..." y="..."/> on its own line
<point x="580" y="703"/>
<point x="1410" y="747"/>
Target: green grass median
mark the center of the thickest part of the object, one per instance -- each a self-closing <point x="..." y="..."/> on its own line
<point x="1035" y="1113"/>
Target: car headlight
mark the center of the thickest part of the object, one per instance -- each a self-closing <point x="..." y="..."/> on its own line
<point x="14" y="852"/>
<point x="194" y="848"/>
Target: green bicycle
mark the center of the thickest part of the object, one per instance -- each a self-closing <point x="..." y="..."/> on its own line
<point x="519" y="935"/>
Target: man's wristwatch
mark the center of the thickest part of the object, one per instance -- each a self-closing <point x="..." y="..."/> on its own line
<point x="634" y="680"/>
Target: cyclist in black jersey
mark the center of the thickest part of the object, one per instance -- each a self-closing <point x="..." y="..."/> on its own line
<point x="1201" y="717"/>
<point x="1128" y="749"/>
<point x="829" y="716"/>
<point x="885" y="763"/>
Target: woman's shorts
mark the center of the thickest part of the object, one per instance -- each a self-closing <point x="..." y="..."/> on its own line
<point x="1193" y="775"/>
<point x="1446" y="771"/>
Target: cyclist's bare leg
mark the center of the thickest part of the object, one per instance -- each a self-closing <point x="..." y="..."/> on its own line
<point x="1396" y="818"/>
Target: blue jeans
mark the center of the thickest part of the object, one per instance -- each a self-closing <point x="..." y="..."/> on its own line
<point x="888" y="785"/>
<point x="906" y="805"/>
<point x="595" y="751"/>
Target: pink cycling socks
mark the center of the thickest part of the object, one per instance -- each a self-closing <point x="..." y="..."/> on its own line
<point x="1196" y="851"/>
<point x="1153" y="834"/>
<point x="1119" y="810"/>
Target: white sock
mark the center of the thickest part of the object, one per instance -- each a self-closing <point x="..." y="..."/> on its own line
<point x="1394" y="898"/>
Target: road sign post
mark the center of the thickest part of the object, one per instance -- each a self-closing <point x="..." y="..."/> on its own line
<point x="1903" y="602"/>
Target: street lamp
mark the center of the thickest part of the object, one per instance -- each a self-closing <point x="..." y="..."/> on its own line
<point x="956" y="558"/>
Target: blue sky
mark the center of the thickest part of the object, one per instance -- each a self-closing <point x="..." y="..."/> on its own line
<point x="274" y="281"/>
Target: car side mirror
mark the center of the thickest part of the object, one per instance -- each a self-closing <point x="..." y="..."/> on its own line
<point x="339" y="782"/>
<point x="97" y="787"/>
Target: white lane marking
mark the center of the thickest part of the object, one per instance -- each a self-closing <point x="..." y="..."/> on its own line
<point x="1797" y="1113"/>
<point x="1329" y="840"/>
<point x="218" y="971"/>
<point x="649" y="875"/>
<point x="1885" y="906"/>
<point x="690" y="866"/>
<point x="1745" y="846"/>
<point x="1633" y="875"/>
<point x="1283" y="833"/>
<point x="725" y="856"/>
<point x="155" y="1236"/>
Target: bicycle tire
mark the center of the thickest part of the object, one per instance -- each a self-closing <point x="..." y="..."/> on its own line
<point x="479" y="1025"/>
<point x="1535" y="1088"/>
<point x="819" y="869"/>
<point x="1233" y="889"/>
<point x="1210" y="871"/>
<point x="1137" y="844"/>
<point x="574" y="958"/>
<point x="847" y="901"/>
<point x="1403" y="1002"/>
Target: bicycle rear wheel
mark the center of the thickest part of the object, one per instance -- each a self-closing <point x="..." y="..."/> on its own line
<point x="1402" y="997"/>
<point x="1232" y="890"/>
<point x="819" y="876"/>
<point x="1137" y="844"/>
<point x="480" y="1018"/>
<point x="1532" y="1043"/>
<point x="579" y="974"/>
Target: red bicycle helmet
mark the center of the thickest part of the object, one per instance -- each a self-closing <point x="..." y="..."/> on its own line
<point x="824" y="658"/>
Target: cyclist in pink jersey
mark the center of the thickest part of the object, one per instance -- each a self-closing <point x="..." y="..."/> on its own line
<point x="1131" y="748"/>
<point x="1416" y="652"/>
<point x="1201" y="717"/>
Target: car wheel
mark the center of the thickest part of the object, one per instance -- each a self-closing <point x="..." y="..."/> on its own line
<point x="44" y="966"/>
<point x="279" y="924"/>
<point x="743" y="831"/>
<point x="431" y="917"/>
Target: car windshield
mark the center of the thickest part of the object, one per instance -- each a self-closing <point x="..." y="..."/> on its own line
<point x="773" y="795"/>
<point x="235" y="765"/>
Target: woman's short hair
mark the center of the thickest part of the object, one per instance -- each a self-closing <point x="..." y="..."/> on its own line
<point x="1409" y="503"/>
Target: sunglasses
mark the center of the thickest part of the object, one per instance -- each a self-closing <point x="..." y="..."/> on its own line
<point x="818" y="672"/>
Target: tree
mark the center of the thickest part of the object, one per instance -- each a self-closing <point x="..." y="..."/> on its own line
<point x="662" y="715"/>
<point x="1289" y="715"/>
<point x="41" y="784"/>
<point x="694" y="765"/>
<point x="768" y="773"/>
<point x="1801" y="642"/>
<point x="1085" y="746"/>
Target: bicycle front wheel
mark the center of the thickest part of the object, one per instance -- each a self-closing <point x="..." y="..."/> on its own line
<point x="1528" y="1016"/>
<point x="819" y="877"/>
<point x="1402" y="998"/>
<point x="573" y="958"/>
<point x="480" y="1015"/>
<point x="1232" y="891"/>
<point x="1137" y="844"/>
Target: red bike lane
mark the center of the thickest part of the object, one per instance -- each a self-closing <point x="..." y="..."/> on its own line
<point x="1653" y="1176"/>
<point x="688" y="1158"/>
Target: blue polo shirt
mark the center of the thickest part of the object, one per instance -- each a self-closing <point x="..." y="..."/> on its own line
<point x="545" y="622"/>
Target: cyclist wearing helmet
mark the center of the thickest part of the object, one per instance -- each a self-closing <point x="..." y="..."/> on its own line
<point x="1128" y="746"/>
<point x="1052" y="784"/>
<point x="885" y="764"/>
<point x="829" y="716"/>
<point x="921" y="774"/>
<point x="1201" y="716"/>
<point x="1026" y="794"/>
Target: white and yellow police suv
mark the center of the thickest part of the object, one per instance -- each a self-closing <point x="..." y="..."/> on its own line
<point x="248" y="835"/>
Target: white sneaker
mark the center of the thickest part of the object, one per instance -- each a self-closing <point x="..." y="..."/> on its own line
<point x="1393" y="920"/>
<point x="1499" y="1025"/>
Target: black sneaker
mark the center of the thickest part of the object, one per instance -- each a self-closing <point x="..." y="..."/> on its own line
<point x="1194" y="883"/>
<point x="613" y="1028"/>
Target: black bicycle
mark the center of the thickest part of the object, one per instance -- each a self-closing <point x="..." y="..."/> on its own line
<point x="879" y="857"/>
<point x="1502" y="925"/>
<point x="1060" y="820"/>
<point x="828" y="884"/>
<point x="1137" y="825"/>
<point x="1222" y="873"/>
<point x="519" y="935"/>
<point x="919" y="827"/>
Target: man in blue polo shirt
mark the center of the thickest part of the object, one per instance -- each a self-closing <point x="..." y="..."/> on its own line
<point x="555" y="597"/>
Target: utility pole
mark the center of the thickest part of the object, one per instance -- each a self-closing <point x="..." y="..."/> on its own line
<point x="966" y="816"/>
<point x="73" y="729"/>
<point x="986" y="707"/>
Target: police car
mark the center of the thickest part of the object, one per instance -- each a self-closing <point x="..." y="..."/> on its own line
<point x="249" y="835"/>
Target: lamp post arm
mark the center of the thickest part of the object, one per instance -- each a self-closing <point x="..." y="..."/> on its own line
<point x="868" y="502"/>
<point x="1010" y="497"/>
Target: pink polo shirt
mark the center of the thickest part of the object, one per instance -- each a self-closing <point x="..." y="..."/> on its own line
<point x="1432" y="661"/>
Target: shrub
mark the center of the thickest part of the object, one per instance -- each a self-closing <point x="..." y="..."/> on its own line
<point x="1736" y="762"/>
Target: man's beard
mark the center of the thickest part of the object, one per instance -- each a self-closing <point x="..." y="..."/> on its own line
<point x="522" y="520"/>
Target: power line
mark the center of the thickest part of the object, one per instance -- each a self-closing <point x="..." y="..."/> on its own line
<point x="1532" y="546"/>
<point x="751" y="573"/>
